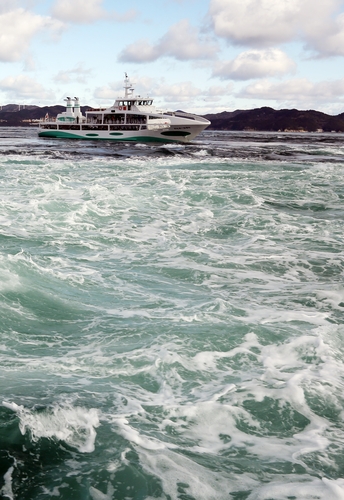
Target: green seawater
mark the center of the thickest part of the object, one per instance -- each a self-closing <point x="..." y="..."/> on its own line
<point x="171" y="318"/>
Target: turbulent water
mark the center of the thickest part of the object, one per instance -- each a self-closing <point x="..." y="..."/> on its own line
<point x="171" y="318"/>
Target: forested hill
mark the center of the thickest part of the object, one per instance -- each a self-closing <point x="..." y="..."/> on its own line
<point x="17" y="115"/>
<point x="260" y="119"/>
<point x="284" y="120"/>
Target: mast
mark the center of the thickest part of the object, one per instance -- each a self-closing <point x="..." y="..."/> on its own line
<point x="128" y="88"/>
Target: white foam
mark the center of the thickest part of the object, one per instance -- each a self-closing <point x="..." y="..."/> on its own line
<point x="134" y="436"/>
<point x="266" y="315"/>
<point x="98" y="495"/>
<point x="307" y="488"/>
<point x="178" y="472"/>
<point x="55" y="492"/>
<point x="333" y="298"/>
<point x="279" y="373"/>
<point x="200" y="153"/>
<point x="9" y="280"/>
<point x="73" y="425"/>
<point x="169" y="260"/>
<point x="6" y="490"/>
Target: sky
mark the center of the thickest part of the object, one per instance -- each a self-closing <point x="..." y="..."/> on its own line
<point x="202" y="56"/>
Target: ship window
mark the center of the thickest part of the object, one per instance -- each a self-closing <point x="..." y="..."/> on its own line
<point x="69" y="127"/>
<point x="94" y="118"/>
<point x="132" y="118"/>
<point x="124" y="127"/>
<point x="117" y="118"/>
<point x="94" y="127"/>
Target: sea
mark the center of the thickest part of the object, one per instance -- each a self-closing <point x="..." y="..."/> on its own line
<point x="171" y="318"/>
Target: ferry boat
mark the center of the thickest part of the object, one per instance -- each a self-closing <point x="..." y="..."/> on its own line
<point x="131" y="118"/>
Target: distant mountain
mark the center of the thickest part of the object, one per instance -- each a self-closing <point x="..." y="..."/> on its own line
<point x="268" y="119"/>
<point x="260" y="119"/>
<point x="13" y="115"/>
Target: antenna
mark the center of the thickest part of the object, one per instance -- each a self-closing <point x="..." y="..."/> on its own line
<point x="128" y="87"/>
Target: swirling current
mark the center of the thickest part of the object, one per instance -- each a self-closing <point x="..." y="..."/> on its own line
<point x="171" y="318"/>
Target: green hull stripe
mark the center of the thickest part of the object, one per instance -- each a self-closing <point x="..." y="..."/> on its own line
<point x="66" y="135"/>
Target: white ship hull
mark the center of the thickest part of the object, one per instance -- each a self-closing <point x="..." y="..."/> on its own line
<point x="174" y="133"/>
<point x="131" y="118"/>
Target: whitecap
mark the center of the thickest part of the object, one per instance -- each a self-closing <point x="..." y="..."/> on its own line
<point x="6" y="490"/>
<point x="73" y="425"/>
<point x="306" y="488"/>
<point x="98" y="495"/>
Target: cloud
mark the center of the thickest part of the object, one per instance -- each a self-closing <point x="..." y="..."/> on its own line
<point x="23" y="87"/>
<point x="255" y="22"/>
<point x="77" y="74"/>
<point x="78" y="11"/>
<point x="183" y="91"/>
<point x="115" y="89"/>
<point x="17" y="28"/>
<point x="216" y="92"/>
<point x="327" y="39"/>
<point x="298" y="90"/>
<point x="187" y="95"/>
<point x="181" y="42"/>
<point x="173" y="95"/>
<point x="6" y="5"/>
<point x="105" y="92"/>
<point x="266" y="23"/>
<point x="128" y="16"/>
<point x="141" y="52"/>
<point x="87" y="11"/>
<point x="179" y="92"/>
<point x="255" y="64"/>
